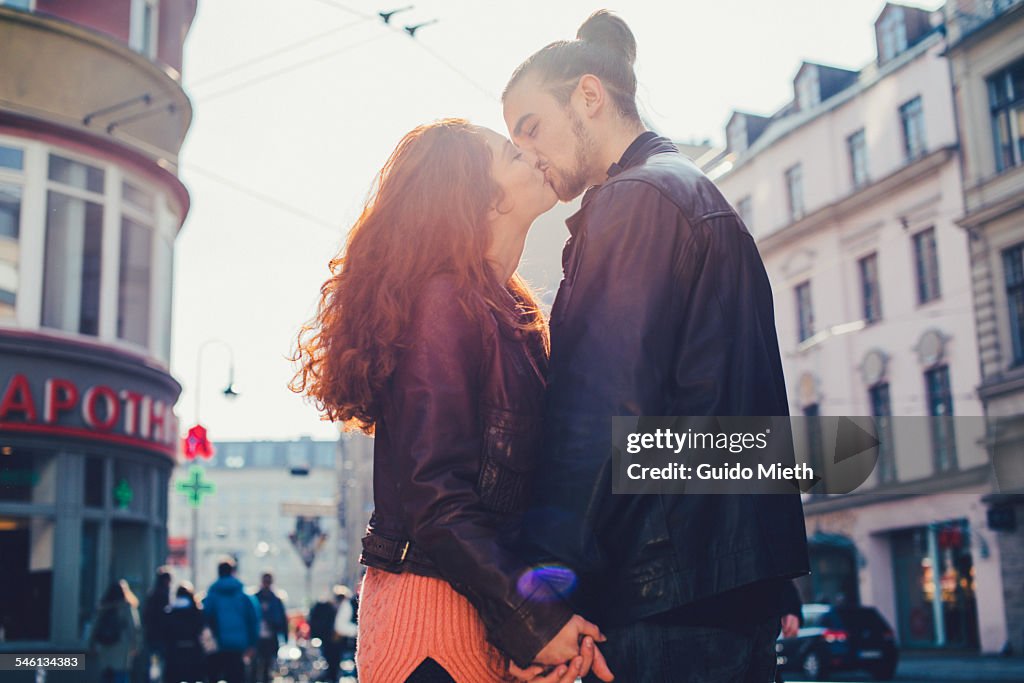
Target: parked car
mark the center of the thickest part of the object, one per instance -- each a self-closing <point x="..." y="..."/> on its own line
<point x="840" y="639"/>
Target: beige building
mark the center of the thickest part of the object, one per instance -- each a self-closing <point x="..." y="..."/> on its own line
<point x="260" y="489"/>
<point x="852" y="191"/>
<point x="986" y="53"/>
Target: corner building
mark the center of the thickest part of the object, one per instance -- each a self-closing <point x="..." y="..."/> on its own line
<point x="92" y="116"/>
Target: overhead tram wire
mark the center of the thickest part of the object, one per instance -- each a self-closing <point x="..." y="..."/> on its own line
<point x="203" y="99"/>
<point x="274" y="53"/>
<point x="333" y="228"/>
<point x="433" y="53"/>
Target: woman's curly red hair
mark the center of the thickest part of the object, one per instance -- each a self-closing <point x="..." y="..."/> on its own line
<point x="427" y="214"/>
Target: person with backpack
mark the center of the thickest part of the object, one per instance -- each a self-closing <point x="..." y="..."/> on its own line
<point x="234" y="621"/>
<point x="114" y="637"/>
<point x="182" y="626"/>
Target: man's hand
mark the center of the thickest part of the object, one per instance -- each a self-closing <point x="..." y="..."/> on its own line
<point x="566" y="644"/>
<point x="577" y="667"/>
<point x="790" y="625"/>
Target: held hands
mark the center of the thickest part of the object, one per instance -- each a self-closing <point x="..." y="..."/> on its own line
<point x="570" y="660"/>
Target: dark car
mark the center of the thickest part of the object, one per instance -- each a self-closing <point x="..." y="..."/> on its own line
<point x="840" y="639"/>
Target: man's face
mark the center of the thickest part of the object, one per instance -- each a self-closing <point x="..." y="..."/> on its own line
<point x="554" y="132"/>
<point x="267" y="581"/>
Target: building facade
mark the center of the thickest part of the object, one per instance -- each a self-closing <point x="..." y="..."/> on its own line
<point x="986" y="54"/>
<point x="853" y="191"/>
<point x="92" y="116"/>
<point x="260" y="490"/>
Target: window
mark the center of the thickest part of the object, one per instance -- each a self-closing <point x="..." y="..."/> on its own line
<point x="144" y="27"/>
<point x="940" y="407"/>
<point x="808" y="88"/>
<point x="1013" y="268"/>
<point x="18" y="4"/>
<point x="1006" y="100"/>
<point x="74" y="235"/>
<point x="856" y="144"/>
<point x="881" y="410"/>
<point x="795" y="190"/>
<point x="805" y="314"/>
<point x="11" y="165"/>
<point x="912" y="122"/>
<point x="892" y="35"/>
<point x="133" y="292"/>
<point x="744" y="210"/>
<point x="926" y="259"/>
<point x="870" y="294"/>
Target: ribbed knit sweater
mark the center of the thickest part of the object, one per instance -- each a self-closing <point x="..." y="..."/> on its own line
<point x="405" y="618"/>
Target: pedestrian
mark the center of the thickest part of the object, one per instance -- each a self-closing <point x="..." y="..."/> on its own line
<point x="153" y="610"/>
<point x="182" y="627"/>
<point x="321" y="629"/>
<point x="665" y="309"/>
<point x="345" y="629"/>
<point x="427" y="337"/>
<point x="232" y="617"/>
<point x="115" y="634"/>
<point x="273" y="628"/>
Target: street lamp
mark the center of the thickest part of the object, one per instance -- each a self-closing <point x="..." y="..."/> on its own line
<point x="229" y="392"/>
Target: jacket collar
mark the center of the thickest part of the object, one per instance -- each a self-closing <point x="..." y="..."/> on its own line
<point x="646" y="145"/>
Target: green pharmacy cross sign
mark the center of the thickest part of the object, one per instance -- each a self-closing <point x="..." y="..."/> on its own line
<point x="123" y="494"/>
<point x="195" y="487"/>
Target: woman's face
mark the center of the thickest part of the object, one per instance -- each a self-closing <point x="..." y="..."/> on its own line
<point x="527" y="193"/>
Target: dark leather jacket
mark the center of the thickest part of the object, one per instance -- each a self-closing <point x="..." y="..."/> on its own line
<point x="454" y="454"/>
<point x="665" y="309"/>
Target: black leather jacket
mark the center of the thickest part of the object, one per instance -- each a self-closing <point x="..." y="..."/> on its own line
<point x="665" y="309"/>
<point x="454" y="455"/>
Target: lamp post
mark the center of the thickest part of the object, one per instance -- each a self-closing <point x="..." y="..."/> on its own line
<point x="196" y="472"/>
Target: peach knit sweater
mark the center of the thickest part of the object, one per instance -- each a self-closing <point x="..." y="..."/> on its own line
<point x="405" y="618"/>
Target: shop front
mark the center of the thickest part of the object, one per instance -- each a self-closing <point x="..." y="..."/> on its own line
<point x="934" y="578"/>
<point x="87" y="442"/>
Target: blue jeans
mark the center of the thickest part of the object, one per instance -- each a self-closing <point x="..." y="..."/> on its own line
<point x="650" y="652"/>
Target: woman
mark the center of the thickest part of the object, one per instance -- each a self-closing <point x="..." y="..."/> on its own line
<point x="427" y="338"/>
<point x="182" y="628"/>
<point x="114" y="637"/>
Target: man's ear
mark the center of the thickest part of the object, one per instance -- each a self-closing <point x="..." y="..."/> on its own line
<point x="590" y="95"/>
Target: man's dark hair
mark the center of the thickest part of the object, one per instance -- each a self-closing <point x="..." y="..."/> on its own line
<point x="226" y="567"/>
<point x="604" y="47"/>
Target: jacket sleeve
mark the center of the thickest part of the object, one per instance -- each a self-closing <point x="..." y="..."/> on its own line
<point x="616" y="307"/>
<point x="438" y="445"/>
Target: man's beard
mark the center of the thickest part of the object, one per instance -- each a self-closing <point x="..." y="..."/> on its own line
<point x="569" y="185"/>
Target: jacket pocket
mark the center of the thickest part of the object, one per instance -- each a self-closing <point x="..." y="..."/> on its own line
<point x="509" y="459"/>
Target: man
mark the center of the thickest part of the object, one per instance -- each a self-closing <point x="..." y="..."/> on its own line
<point x="665" y="309"/>
<point x="231" y="616"/>
<point x="273" y="627"/>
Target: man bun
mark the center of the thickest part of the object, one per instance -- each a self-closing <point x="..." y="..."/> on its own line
<point x="606" y="30"/>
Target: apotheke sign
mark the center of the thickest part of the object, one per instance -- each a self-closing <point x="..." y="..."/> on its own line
<point x="63" y="407"/>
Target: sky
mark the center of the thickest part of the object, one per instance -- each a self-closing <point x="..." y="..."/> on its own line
<point x="297" y="104"/>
